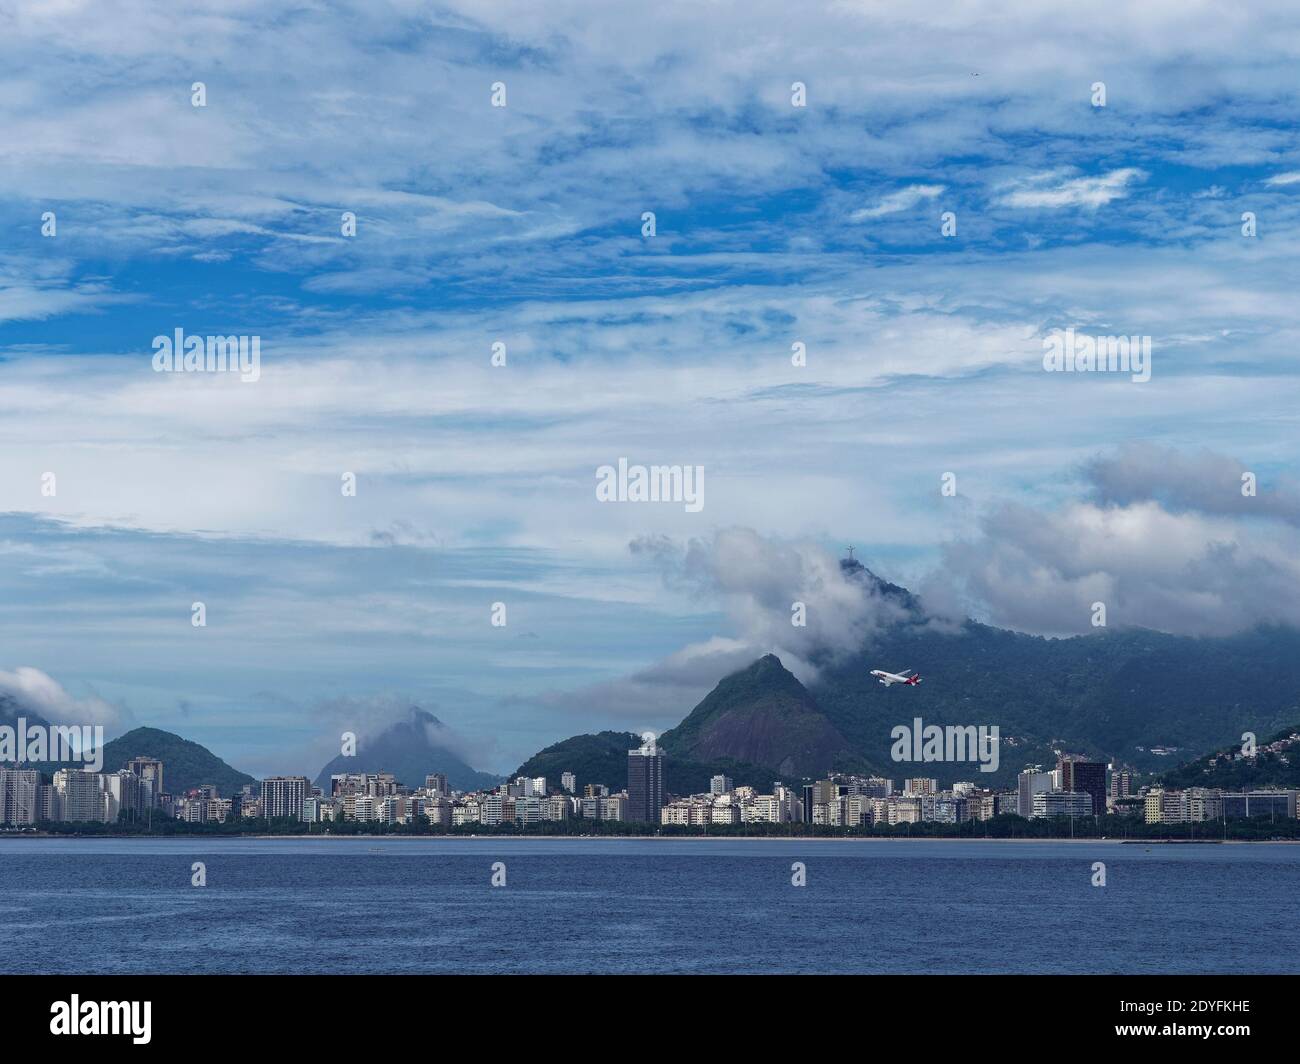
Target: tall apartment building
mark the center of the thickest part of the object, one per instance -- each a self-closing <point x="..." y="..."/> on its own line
<point x="530" y="810"/>
<point x="150" y="772"/>
<point x="123" y="793"/>
<point x="19" y="790"/>
<point x="719" y="785"/>
<point x="1165" y="807"/>
<point x="494" y="808"/>
<point x="283" y="796"/>
<point x="1030" y="782"/>
<point x="645" y="782"/>
<point x="80" y="796"/>
<point x="569" y="781"/>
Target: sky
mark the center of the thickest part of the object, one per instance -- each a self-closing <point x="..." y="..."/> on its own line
<point x="869" y="223"/>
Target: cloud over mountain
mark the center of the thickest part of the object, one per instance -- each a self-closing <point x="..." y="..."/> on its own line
<point x="1166" y="540"/>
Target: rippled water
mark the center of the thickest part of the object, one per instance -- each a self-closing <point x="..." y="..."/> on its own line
<point x="621" y="905"/>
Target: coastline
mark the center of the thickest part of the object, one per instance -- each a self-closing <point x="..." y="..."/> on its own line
<point x="664" y="838"/>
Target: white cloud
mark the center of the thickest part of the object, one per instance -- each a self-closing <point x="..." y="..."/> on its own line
<point x="902" y="200"/>
<point x="1049" y="191"/>
<point x="40" y="693"/>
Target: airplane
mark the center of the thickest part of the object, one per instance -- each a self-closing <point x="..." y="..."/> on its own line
<point x="889" y="678"/>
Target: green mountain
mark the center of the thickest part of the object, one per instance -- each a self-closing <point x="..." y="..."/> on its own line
<point x="186" y="764"/>
<point x="410" y="749"/>
<point x="1276" y="764"/>
<point x="761" y="715"/>
<point x="1118" y="695"/>
<point x="1140" y="698"/>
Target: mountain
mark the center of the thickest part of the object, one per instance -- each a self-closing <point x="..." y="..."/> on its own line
<point x="1116" y="695"/>
<point x="761" y="715"/>
<point x="410" y="749"/>
<point x="1276" y="764"/>
<point x="186" y="764"/>
<point x="1143" y="699"/>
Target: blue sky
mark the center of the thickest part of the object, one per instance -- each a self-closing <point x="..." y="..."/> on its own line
<point x="775" y="224"/>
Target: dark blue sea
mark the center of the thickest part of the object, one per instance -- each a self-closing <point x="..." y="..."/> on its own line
<point x="615" y="905"/>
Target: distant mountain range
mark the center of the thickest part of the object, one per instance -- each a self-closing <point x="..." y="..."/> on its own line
<point x="1141" y="698"/>
<point x="410" y="749"/>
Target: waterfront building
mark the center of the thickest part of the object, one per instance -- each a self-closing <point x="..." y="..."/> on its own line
<point x="80" y="797"/>
<point x="1087" y="777"/>
<point x="150" y="771"/>
<point x="1030" y="782"/>
<point x="19" y="793"/>
<point x="1062" y="803"/>
<point x="645" y="781"/>
<point x="282" y="796"/>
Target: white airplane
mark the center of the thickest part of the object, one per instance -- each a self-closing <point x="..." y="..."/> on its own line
<point x="889" y="678"/>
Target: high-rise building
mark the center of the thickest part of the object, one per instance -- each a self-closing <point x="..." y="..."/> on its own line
<point x="80" y="797"/>
<point x="494" y="808"/>
<point x="1030" y="782"/>
<point x="19" y="788"/>
<point x="645" y="782"/>
<point x="1121" y="783"/>
<point x="1086" y="777"/>
<point x="150" y="771"/>
<point x="123" y="793"/>
<point x="569" y="781"/>
<point x="721" y="785"/>
<point x="436" y="783"/>
<point x="283" y="796"/>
